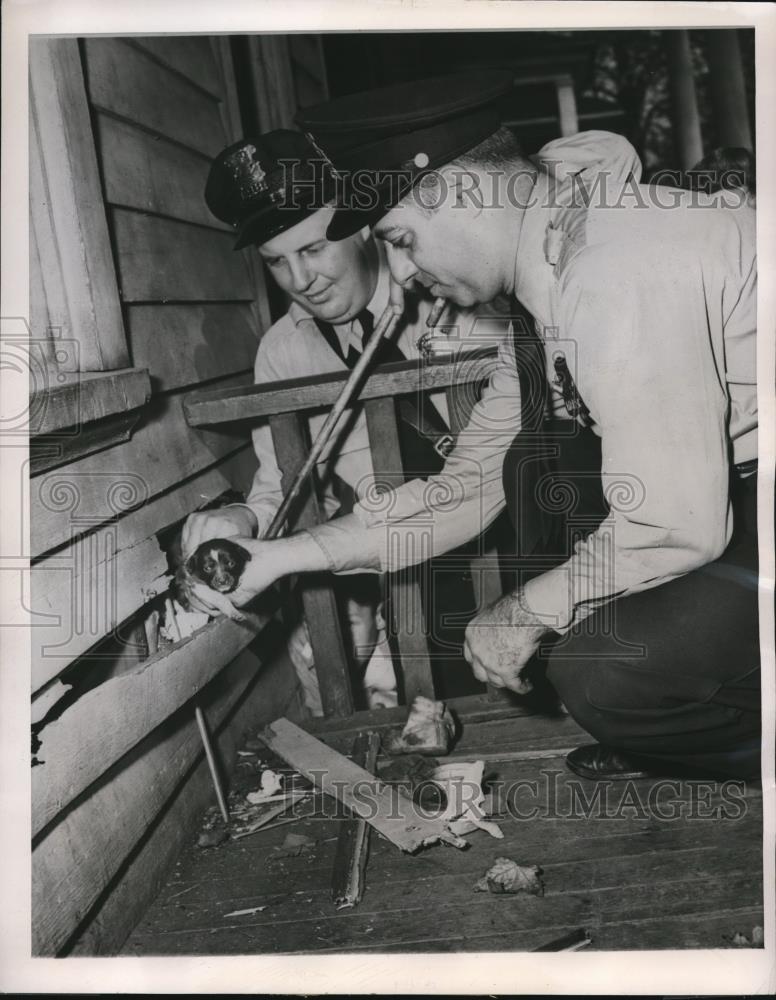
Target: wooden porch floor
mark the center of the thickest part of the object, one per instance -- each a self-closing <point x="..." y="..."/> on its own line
<point x="634" y="879"/>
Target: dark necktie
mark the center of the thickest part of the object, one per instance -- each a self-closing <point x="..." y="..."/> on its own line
<point x="367" y="321"/>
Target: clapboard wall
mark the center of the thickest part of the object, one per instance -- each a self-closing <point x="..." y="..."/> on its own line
<point x="121" y="776"/>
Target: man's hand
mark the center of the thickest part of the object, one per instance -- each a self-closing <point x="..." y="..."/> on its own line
<point x="226" y="522"/>
<point x="269" y="562"/>
<point x="501" y="640"/>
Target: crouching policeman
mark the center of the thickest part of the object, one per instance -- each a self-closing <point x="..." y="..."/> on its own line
<point x="632" y="432"/>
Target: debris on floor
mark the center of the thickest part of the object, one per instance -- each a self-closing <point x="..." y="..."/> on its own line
<point x="385" y="808"/>
<point x="506" y="876"/>
<point x="256" y="818"/>
<point x="430" y="729"/>
<point x="212" y="838"/>
<point x="461" y="785"/>
<point x="739" y="940"/>
<point x="574" y="941"/>
<point x="245" y="913"/>
<point x="271" y="785"/>
<point x="294" y="845"/>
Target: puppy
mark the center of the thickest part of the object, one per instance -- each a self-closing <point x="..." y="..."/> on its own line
<point x="219" y="563"/>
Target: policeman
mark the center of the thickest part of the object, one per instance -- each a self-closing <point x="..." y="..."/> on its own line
<point x="276" y="190"/>
<point x="644" y="300"/>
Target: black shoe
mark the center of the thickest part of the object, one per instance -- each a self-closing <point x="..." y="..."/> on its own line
<point x="595" y="761"/>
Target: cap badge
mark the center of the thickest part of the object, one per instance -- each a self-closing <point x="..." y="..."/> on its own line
<point x="247" y="172"/>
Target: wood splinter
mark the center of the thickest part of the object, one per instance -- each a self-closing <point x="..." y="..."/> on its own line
<point x="390" y="812"/>
<point x="347" y="884"/>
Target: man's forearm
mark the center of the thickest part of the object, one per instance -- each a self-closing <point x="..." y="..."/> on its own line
<point x="345" y="545"/>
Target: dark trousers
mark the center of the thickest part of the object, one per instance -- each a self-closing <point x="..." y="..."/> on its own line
<point x="671" y="673"/>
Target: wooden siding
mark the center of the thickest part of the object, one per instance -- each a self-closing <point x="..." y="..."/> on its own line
<point x="121" y="773"/>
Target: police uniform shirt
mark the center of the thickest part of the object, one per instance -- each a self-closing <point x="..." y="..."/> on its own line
<point x="654" y="309"/>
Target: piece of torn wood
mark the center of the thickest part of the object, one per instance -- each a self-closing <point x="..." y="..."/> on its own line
<point x="244" y="913"/>
<point x="391" y="813"/>
<point x="347" y="883"/>
<point x="246" y="827"/>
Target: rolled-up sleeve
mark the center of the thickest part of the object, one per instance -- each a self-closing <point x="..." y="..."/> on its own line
<point x="266" y="491"/>
<point x="425" y="518"/>
<point x="649" y="379"/>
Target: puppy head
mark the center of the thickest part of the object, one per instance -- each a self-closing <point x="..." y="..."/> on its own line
<point x="219" y="563"/>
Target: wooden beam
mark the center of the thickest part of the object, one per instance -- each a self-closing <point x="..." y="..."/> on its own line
<point x="217" y="406"/>
<point x="82" y="397"/>
<point x="567" y="105"/>
<point x="468" y="709"/>
<point x="68" y="213"/>
<point x="388" y="810"/>
<point x="728" y="90"/>
<point x="686" y="118"/>
<point x="408" y="620"/>
<point x="320" y="605"/>
<point x="271" y="83"/>
<point x="347" y="885"/>
<point x="106" y="722"/>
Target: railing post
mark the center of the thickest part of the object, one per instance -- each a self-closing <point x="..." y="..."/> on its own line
<point x="407" y="609"/>
<point x="320" y="606"/>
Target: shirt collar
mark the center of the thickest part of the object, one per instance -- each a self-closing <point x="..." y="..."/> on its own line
<point x="534" y="275"/>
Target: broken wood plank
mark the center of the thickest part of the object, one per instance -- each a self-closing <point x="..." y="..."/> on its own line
<point x="106" y="722"/>
<point x="385" y="808"/>
<point x="347" y="885"/>
<point x="145" y="869"/>
<point x="77" y="859"/>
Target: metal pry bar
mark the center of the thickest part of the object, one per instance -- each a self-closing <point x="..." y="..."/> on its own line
<point x="385" y="326"/>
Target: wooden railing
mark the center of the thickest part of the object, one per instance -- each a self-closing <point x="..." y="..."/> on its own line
<point x="286" y="405"/>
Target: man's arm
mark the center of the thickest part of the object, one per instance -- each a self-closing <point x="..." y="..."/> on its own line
<point x="425" y="518"/>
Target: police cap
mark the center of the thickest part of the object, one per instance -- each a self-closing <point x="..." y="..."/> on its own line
<point x="263" y="186"/>
<point x="382" y="142"/>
